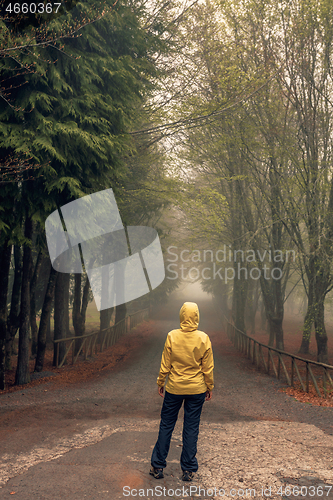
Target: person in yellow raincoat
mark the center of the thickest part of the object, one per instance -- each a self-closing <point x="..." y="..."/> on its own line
<point x="188" y="362"/>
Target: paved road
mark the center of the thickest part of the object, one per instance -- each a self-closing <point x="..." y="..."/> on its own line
<point x="94" y="440"/>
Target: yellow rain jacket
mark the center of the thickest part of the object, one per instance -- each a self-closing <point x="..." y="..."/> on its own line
<point x="187" y="357"/>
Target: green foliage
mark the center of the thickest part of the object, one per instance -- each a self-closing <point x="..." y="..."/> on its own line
<point x="69" y="102"/>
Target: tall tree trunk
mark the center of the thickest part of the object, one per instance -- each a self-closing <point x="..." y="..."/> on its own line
<point x="308" y="322"/>
<point x="66" y="300"/>
<point x="80" y="308"/>
<point x="13" y="321"/>
<point x="121" y="309"/>
<point x="252" y="306"/>
<point x="76" y="312"/>
<point x="59" y="317"/>
<point x="277" y="321"/>
<point x="239" y="298"/>
<point x="105" y="318"/>
<point x="105" y="314"/>
<point x="85" y="301"/>
<point x="322" y="283"/>
<point x="104" y="321"/>
<point x="319" y="281"/>
<point x="33" y="285"/>
<point x="321" y="335"/>
<point x="4" y="275"/>
<point x="273" y="300"/>
<point x="270" y="323"/>
<point x="275" y="331"/>
<point x="22" y="371"/>
<point x="45" y="320"/>
<point x="263" y="316"/>
<point x="120" y="313"/>
<point x="275" y="316"/>
<point x="49" y="332"/>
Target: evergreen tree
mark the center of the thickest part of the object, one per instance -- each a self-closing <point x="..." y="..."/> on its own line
<point x="68" y="109"/>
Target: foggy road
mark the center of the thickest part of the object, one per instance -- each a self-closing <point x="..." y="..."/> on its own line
<point x="84" y="439"/>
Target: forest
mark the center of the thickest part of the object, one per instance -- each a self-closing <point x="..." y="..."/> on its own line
<point x="210" y="120"/>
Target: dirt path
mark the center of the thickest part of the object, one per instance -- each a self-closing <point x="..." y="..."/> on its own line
<point x="92" y="439"/>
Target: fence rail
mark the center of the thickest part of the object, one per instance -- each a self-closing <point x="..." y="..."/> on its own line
<point x="291" y="368"/>
<point x="100" y="340"/>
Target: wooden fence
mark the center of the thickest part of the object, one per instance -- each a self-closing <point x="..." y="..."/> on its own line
<point x="100" y="340"/>
<point x="283" y="364"/>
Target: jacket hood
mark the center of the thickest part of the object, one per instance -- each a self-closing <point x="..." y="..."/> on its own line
<point x="189" y="317"/>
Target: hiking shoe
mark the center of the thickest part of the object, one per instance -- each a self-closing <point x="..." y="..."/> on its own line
<point x="187" y="475"/>
<point x="157" y="473"/>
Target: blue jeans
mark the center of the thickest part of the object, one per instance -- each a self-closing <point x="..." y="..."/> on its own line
<point x="169" y="414"/>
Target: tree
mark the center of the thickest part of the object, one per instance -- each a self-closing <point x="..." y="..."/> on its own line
<point x="69" y="109"/>
<point x="80" y="304"/>
<point x="260" y="101"/>
<point x="74" y="97"/>
<point x="22" y="375"/>
<point x="44" y="320"/>
<point x="13" y="320"/>
<point x="227" y="150"/>
<point x="303" y="57"/>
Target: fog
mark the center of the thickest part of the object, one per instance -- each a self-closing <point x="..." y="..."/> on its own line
<point x="190" y="292"/>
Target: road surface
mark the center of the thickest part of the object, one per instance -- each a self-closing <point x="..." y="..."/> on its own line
<point x="94" y="439"/>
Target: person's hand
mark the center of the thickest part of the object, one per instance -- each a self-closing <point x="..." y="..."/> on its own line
<point x="160" y="391"/>
<point x="208" y="395"/>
